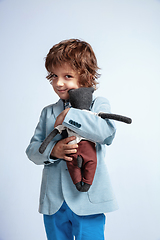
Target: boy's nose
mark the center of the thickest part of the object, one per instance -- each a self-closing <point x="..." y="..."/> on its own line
<point x="60" y="82"/>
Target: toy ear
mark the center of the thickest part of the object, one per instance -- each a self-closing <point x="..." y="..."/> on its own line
<point x="48" y="140"/>
<point x="115" y="117"/>
<point x="92" y="89"/>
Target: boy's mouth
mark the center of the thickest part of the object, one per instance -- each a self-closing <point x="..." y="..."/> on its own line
<point x="62" y="90"/>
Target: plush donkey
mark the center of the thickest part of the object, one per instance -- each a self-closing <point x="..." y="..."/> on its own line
<point x="83" y="166"/>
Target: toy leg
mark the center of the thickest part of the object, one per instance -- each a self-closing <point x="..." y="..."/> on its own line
<point x="82" y="167"/>
<point x="82" y="187"/>
<point x="87" y="152"/>
<point x="74" y="169"/>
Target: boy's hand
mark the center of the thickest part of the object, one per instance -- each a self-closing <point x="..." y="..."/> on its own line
<point x="61" y="117"/>
<point x="62" y="148"/>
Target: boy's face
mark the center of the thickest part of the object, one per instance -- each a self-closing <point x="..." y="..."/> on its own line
<point x="63" y="79"/>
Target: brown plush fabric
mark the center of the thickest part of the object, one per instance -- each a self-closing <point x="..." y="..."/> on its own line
<point x="87" y="151"/>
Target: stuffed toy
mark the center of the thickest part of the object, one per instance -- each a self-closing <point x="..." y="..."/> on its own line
<point x="83" y="166"/>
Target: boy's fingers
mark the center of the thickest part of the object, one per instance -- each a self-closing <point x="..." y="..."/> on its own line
<point x="70" y="151"/>
<point x="68" y="158"/>
<point x="69" y="139"/>
<point x="70" y="146"/>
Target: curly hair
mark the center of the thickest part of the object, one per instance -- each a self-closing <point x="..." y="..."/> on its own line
<point x="79" y="55"/>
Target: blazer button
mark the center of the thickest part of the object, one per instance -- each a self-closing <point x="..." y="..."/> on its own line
<point x="71" y="121"/>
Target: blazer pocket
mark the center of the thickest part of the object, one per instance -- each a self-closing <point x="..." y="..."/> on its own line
<point x="101" y="189"/>
<point x="44" y="184"/>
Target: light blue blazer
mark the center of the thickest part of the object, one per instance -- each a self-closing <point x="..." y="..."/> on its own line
<point x="57" y="185"/>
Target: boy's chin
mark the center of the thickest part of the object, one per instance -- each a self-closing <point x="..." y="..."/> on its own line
<point x="64" y="97"/>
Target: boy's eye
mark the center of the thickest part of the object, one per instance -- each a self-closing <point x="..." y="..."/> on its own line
<point x="53" y="75"/>
<point x="68" y="76"/>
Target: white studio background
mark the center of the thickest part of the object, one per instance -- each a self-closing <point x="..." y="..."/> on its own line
<point x="125" y="36"/>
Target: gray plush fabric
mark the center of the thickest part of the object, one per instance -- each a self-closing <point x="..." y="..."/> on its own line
<point x="81" y="98"/>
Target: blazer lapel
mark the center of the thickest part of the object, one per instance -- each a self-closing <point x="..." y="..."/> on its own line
<point x="58" y="108"/>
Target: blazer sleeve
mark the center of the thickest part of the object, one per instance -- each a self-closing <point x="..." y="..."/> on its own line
<point x="32" y="150"/>
<point x="90" y="126"/>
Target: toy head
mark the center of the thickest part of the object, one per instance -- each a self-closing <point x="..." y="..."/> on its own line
<point x="81" y="98"/>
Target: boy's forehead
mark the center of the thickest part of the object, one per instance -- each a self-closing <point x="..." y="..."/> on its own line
<point x="65" y="67"/>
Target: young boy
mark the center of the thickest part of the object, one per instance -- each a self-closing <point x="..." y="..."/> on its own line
<point x="67" y="212"/>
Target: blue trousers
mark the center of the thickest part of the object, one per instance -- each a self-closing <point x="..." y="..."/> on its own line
<point x="65" y="224"/>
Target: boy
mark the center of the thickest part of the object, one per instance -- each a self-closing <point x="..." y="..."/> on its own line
<point x="67" y="212"/>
